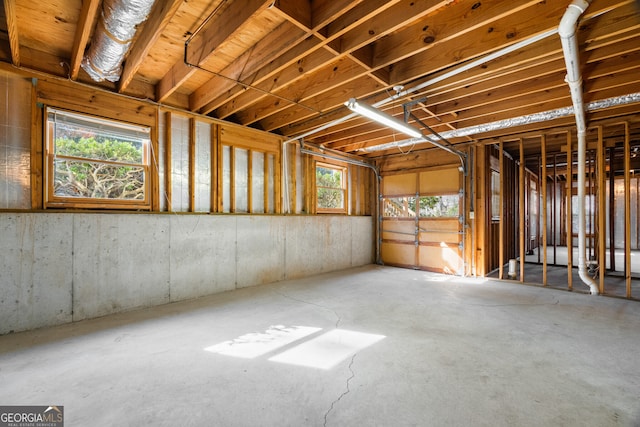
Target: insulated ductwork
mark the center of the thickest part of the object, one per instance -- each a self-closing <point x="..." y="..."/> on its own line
<point x="112" y="38"/>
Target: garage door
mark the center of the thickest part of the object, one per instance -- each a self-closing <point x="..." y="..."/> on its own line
<point x="421" y="220"/>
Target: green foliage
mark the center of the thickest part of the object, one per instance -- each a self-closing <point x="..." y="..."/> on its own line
<point x="439" y="206"/>
<point x="99" y="149"/>
<point x="329" y="186"/>
<point x="75" y="178"/>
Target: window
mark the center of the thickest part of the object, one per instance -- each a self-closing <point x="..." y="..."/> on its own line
<point x="93" y="162"/>
<point x="495" y="195"/>
<point x="331" y="188"/>
<point x="439" y="206"/>
<point x="399" y="207"/>
<point x="429" y="206"/>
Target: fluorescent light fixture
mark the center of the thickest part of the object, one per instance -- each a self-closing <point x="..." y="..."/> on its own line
<point x="382" y="118"/>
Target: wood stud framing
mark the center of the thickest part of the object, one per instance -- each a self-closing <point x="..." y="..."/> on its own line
<point x="288" y="65"/>
<point x="216" y="175"/>
<point x="219" y="169"/>
<point x="192" y="164"/>
<point x="521" y="210"/>
<point x="153" y="166"/>
<point x="501" y="259"/>
<point x="601" y="216"/>
<point x="167" y="158"/>
<point x="543" y="179"/>
<point x="627" y="211"/>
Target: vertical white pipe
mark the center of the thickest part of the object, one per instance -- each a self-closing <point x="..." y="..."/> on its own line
<point x="567" y="32"/>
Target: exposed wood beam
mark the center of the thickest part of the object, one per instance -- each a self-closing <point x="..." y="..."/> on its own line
<point x="323" y="13"/>
<point x="454" y="21"/>
<point x="602" y="117"/>
<point x="557" y="98"/>
<point x="355" y="130"/>
<point x="516" y="27"/>
<point x="83" y="31"/>
<point x="314" y="15"/>
<point x="354" y="20"/>
<point x="177" y="75"/>
<point x="387" y="21"/>
<point x="597" y="77"/>
<point x="309" y="86"/>
<point x="283" y="38"/>
<point x="287" y="68"/>
<point x="355" y="88"/>
<point x="518" y="66"/>
<point x="487" y="39"/>
<point x="296" y="11"/>
<point x="160" y="16"/>
<point x="441" y="56"/>
<point x="326" y="11"/>
<point x="218" y="29"/>
<point x="12" y="29"/>
<point x="536" y="71"/>
<point x="224" y="24"/>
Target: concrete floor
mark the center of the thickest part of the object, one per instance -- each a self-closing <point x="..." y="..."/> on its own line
<point x="392" y="347"/>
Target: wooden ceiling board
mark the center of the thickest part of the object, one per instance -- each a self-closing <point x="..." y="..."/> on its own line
<point x="169" y="48"/>
<point x="48" y="26"/>
<point x="288" y="66"/>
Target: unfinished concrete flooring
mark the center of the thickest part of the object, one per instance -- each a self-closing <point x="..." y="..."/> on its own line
<point x="369" y="346"/>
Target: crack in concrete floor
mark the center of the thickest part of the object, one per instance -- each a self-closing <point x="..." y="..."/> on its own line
<point x="338" y="318"/>
<point x="343" y="393"/>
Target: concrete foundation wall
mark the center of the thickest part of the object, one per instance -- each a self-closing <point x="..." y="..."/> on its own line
<point x="59" y="268"/>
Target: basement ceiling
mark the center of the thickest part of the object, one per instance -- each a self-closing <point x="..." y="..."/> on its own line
<point x="288" y="66"/>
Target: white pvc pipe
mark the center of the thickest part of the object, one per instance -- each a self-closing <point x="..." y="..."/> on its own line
<point x="567" y="32"/>
<point x="513" y="264"/>
<point x="444" y="76"/>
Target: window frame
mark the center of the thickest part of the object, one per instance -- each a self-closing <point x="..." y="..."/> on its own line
<point x="344" y="188"/>
<point x="51" y="200"/>
<point x="496" y="194"/>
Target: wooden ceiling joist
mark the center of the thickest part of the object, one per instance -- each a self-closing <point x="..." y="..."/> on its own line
<point x="160" y="17"/>
<point x="12" y="30"/>
<point x="285" y="37"/>
<point x="83" y="32"/>
<point x="288" y="66"/>
<point x="219" y="28"/>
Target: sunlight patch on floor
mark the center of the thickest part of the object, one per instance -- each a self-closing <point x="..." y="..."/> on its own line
<point x="256" y="344"/>
<point x="327" y="350"/>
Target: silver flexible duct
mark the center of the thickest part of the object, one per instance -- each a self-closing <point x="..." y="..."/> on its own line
<point x="111" y="41"/>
